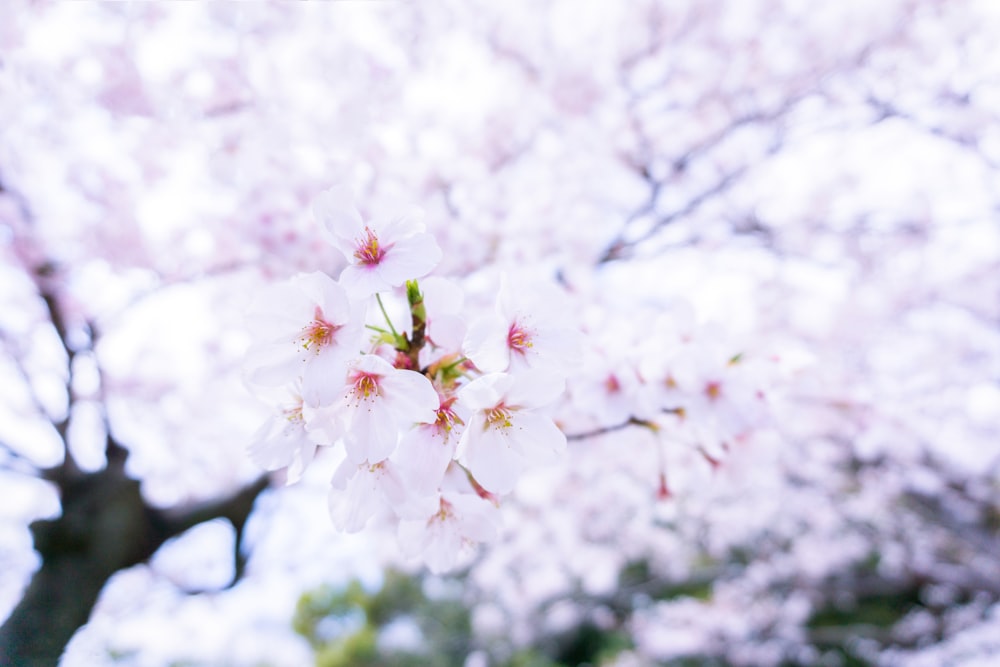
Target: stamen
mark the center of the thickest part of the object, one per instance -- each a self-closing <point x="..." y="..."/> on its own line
<point x="317" y="333"/>
<point x="519" y="338"/>
<point x="446" y="417"/>
<point x="498" y="417"/>
<point x="366" y="385"/>
<point x="369" y="251"/>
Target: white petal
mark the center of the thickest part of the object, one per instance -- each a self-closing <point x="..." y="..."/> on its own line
<point x="279" y="312"/>
<point x="536" y="436"/>
<point x="274" y="444"/>
<point x="350" y="509"/>
<point x="323" y="377"/>
<point x="361" y="280"/>
<point x="423" y="456"/>
<point x="486" y="344"/>
<point x="335" y="210"/>
<point x="303" y="457"/>
<point x="492" y="460"/>
<point x="535" y="388"/>
<point x="372" y="434"/>
<point x="325" y="425"/>
<point x="443" y="548"/>
<point x="411" y="396"/>
<point x="272" y="365"/>
<point x="409" y="258"/>
<point x="485" y="392"/>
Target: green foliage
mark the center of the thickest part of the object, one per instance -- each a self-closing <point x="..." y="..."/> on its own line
<point x="345" y="625"/>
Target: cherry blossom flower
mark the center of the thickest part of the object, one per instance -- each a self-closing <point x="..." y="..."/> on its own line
<point x="305" y="329"/>
<point x="377" y="401"/>
<point x="505" y="432"/>
<point x="528" y="330"/>
<point x="360" y="491"/>
<point x="380" y="254"/>
<point x="426" y="450"/>
<point x="283" y="442"/>
<point x="460" y="521"/>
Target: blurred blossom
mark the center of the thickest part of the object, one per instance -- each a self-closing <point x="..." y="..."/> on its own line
<point x="756" y="242"/>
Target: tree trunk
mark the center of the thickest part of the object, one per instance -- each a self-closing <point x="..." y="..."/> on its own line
<point x="106" y="526"/>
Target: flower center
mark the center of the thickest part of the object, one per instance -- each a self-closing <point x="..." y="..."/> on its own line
<point x="446" y="417"/>
<point x="713" y="390"/>
<point x="498" y="417"/>
<point x="518" y="338"/>
<point x="368" y="250"/>
<point x="444" y="512"/>
<point x="366" y="386"/>
<point x="317" y="333"/>
<point x="294" y="415"/>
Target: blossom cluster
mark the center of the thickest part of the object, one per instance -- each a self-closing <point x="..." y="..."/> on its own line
<point x="436" y="418"/>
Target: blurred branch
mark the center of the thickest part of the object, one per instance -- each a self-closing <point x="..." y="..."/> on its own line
<point x="234" y="508"/>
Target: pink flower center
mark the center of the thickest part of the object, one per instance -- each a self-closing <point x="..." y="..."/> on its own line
<point x="317" y="333"/>
<point x="499" y="417"/>
<point x="445" y="512"/>
<point x="713" y="390"/>
<point x="294" y="414"/>
<point x="519" y="338"/>
<point x="366" y="386"/>
<point x="369" y="250"/>
<point x="446" y="417"/>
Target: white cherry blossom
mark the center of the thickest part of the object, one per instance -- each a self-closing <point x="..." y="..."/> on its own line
<point x="505" y="432"/>
<point x="306" y="330"/>
<point x="426" y="450"/>
<point x="377" y="400"/>
<point x="283" y="442"/>
<point x="449" y="535"/>
<point x="381" y="254"/>
<point x="360" y="491"/>
<point x="528" y="330"/>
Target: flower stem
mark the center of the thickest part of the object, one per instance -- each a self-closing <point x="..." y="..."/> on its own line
<point x="378" y="297"/>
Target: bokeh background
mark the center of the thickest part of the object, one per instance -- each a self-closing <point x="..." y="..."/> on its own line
<point x="812" y="186"/>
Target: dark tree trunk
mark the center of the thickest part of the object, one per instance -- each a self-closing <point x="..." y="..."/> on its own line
<point x="106" y="526"/>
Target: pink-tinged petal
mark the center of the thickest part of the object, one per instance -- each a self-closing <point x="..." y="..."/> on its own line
<point x="303" y="457"/>
<point x="486" y="391"/>
<point x="445" y="330"/>
<point x="372" y="363"/>
<point x="329" y="296"/>
<point x="325" y="425"/>
<point x="345" y="473"/>
<point x="423" y="456"/>
<point x="535" y="388"/>
<point x="362" y="280"/>
<point x="323" y="377"/>
<point x="536" y="436"/>
<point x="486" y="344"/>
<point x="409" y="258"/>
<point x="336" y="212"/>
<point x="278" y="312"/>
<point x="443" y="548"/>
<point x="394" y="229"/>
<point x="272" y="365"/>
<point x="412" y="397"/>
<point x="492" y="459"/>
<point x="275" y="443"/>
<point x="351" y="508"/>
<point x="372" y="434"/>
<point x="390" y="483"/>
<point x="476" y="518"/>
